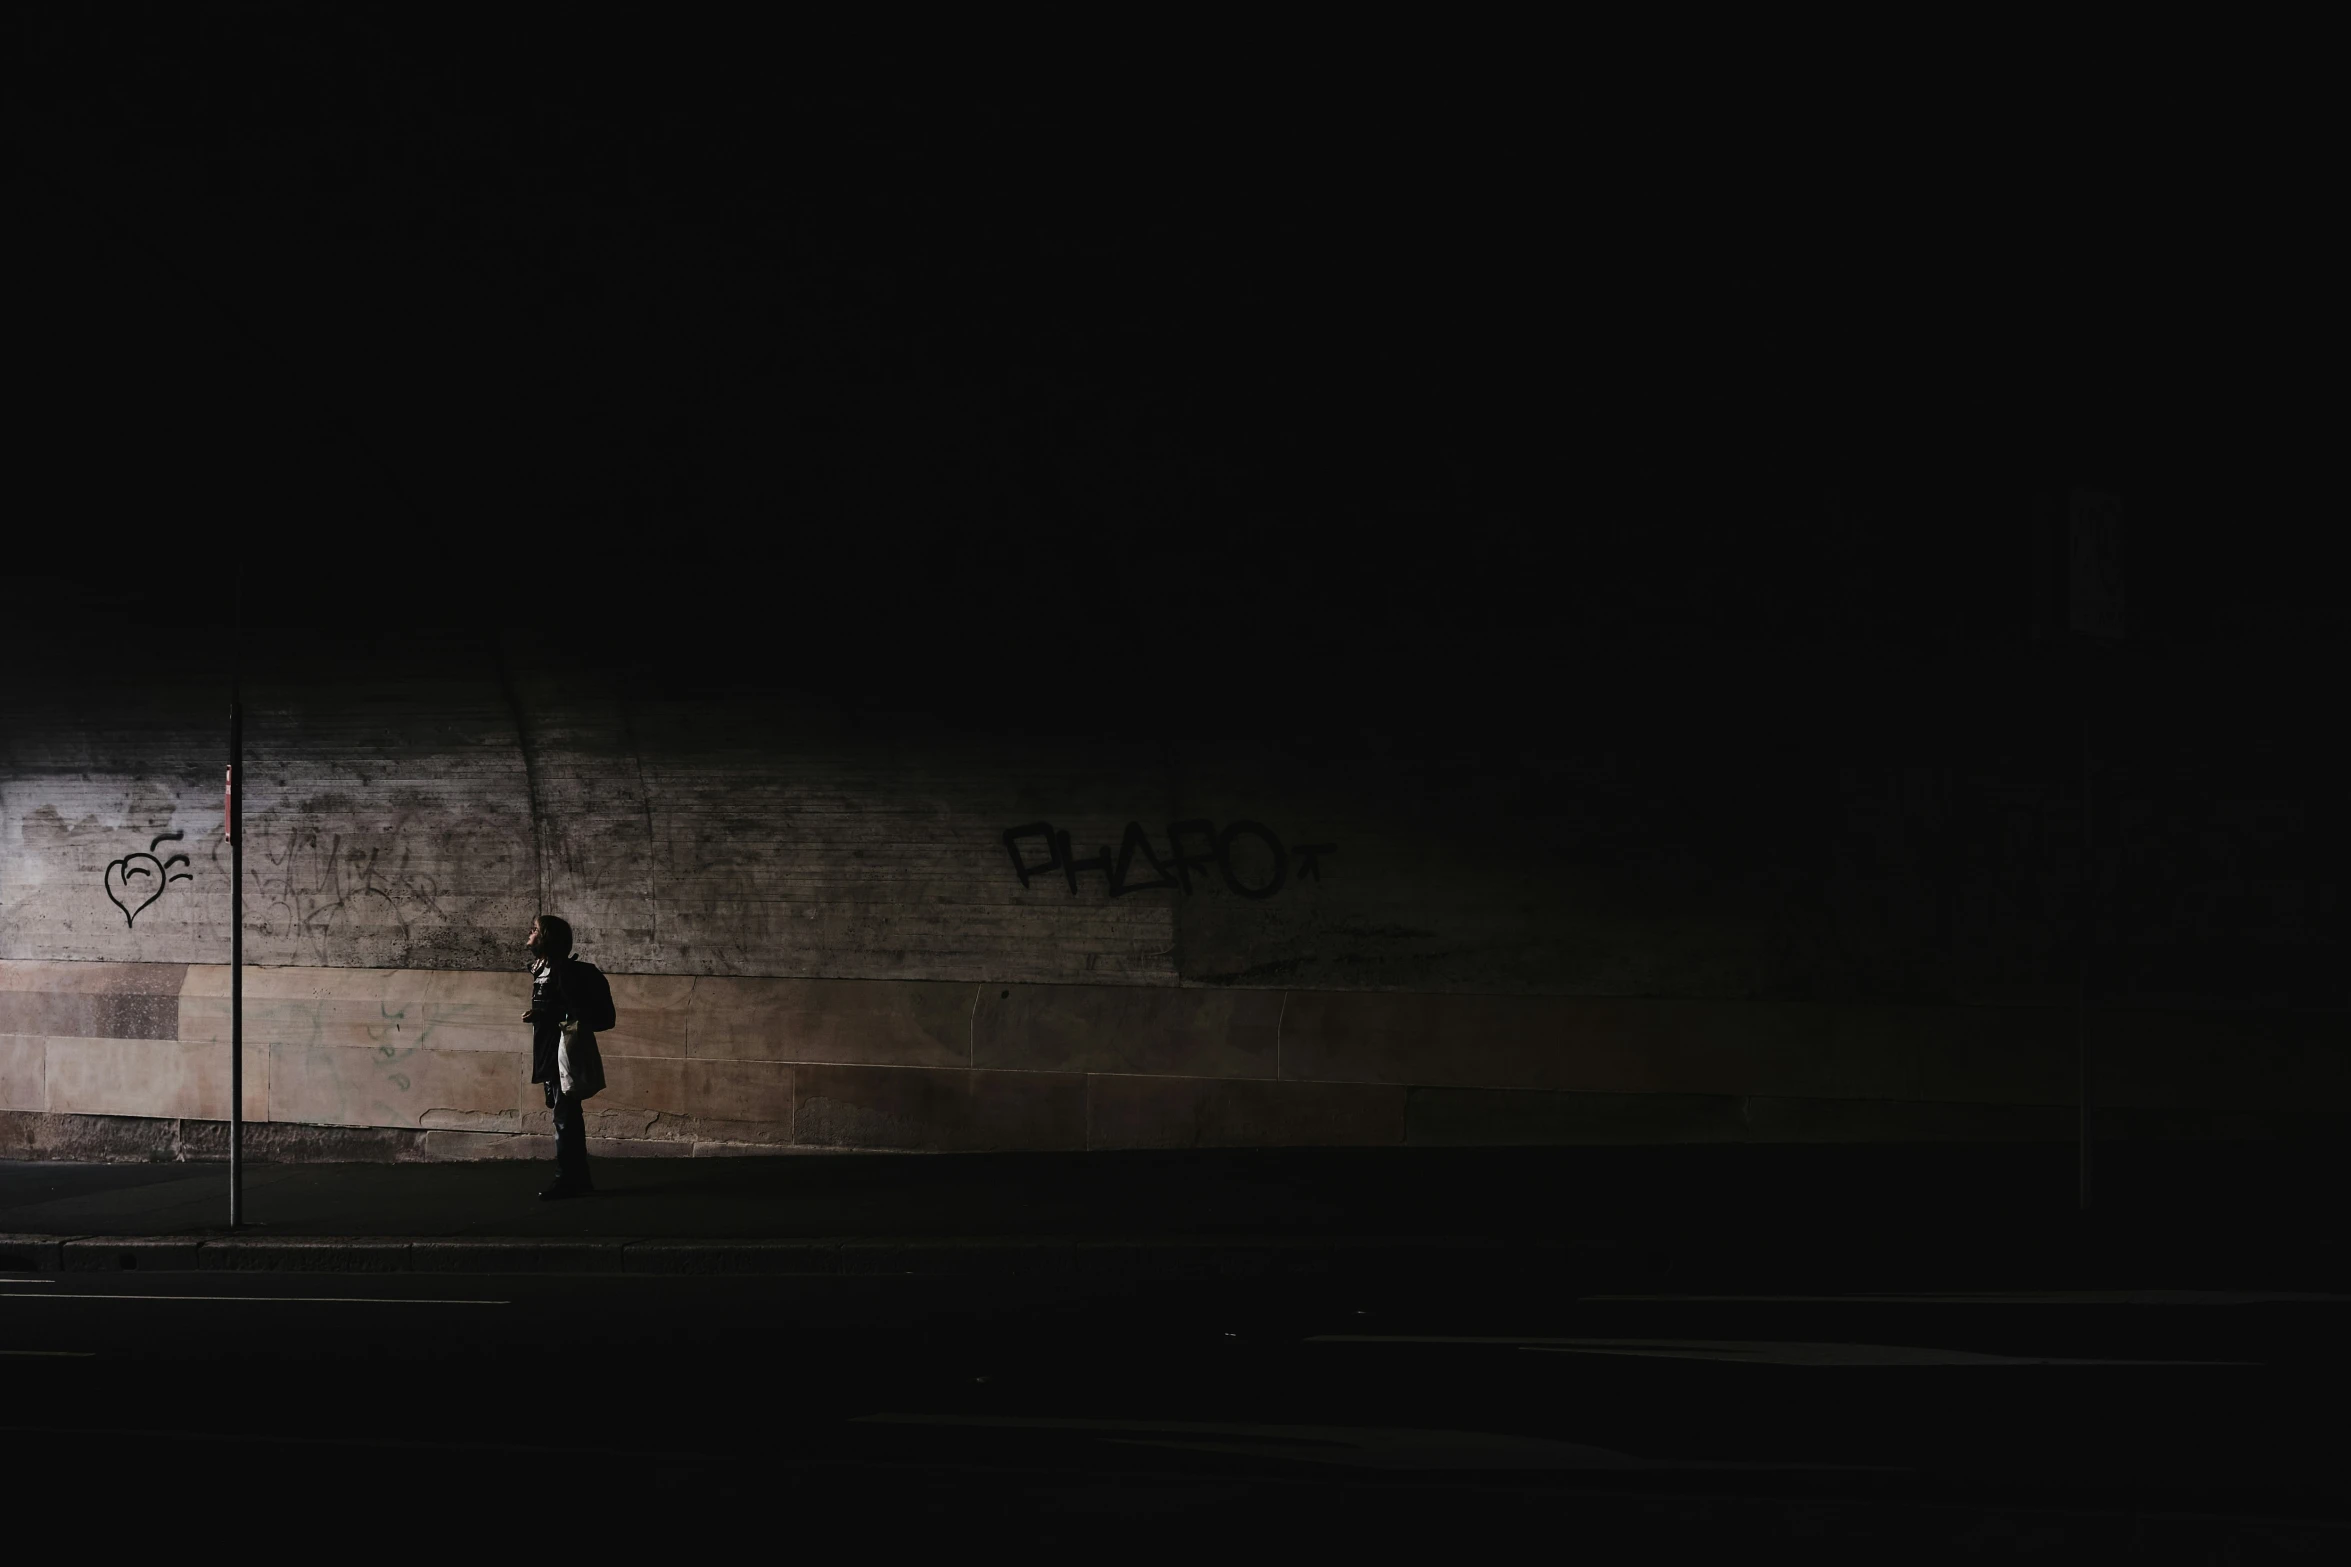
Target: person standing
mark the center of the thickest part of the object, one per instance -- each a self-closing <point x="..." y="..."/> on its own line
<point x="563" y="1052"/>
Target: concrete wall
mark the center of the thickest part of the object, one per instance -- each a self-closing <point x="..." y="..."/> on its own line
<point x="1694" y="822"/>
<point x="1722" y="914"/>
<point x="420" y="809"/>
<point x="723" y="1063"/>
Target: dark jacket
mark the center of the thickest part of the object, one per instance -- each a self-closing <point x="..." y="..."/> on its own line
<point x="549" y="1006"/>
<point x="546" y="1025"/>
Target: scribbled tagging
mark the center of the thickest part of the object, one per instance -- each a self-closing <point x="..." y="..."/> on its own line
<point x="137" y="880"/>
<point x="1194" y="848"/>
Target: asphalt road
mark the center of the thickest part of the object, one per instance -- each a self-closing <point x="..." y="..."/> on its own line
<point x="917" y="1411"/>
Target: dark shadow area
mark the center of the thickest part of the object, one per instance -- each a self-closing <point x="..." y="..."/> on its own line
<point x="2171" y="1215"/>
<point x="1635" y="467"/>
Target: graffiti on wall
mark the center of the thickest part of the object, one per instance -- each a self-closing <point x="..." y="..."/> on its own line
<point x="1194" y="848"/>
<point x="137" y="880"/>
<point x="307" y="882"/>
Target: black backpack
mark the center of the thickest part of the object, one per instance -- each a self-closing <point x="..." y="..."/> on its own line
<point x="589" y="995"/>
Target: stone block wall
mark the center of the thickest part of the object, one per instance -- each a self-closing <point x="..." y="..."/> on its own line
<point x="434" y="1064"/>
<point x="1719" y="916"/>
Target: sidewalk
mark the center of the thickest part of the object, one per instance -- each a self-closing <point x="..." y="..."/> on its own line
<point x="1929" y="1217"/>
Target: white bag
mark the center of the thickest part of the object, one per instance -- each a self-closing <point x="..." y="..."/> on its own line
<point x="586" y="1078"/>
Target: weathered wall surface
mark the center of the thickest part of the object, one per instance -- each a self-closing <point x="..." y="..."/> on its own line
<point x="1815" y="825"/>
<point x="418" y="809"/>
<point x="428" y="1064"/>
<point x="1727" y="909"/>
<point x="388" y="818"/>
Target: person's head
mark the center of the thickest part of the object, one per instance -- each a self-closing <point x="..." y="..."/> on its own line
<point x="550" y="937"/>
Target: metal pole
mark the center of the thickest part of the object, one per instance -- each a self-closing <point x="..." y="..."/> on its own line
<point x="2089" y="908"/>
<point x="236" y="915"/>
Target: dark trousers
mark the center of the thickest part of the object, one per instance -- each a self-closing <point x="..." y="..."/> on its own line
<point x="571" y="1138"/>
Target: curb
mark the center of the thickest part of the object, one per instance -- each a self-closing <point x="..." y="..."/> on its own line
<point x="1588" y="1263"/>
<point x="1047" y="1257"/>
<point x="31" y="1253"/>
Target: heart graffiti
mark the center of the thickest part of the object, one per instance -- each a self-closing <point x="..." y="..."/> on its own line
<point x="143" y="877"/>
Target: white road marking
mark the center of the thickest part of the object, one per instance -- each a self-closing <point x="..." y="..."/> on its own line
<point x="1770" y="1352"/>
<point x="2008" y="1298"/>
<point x="315" y="1439"/>
<point x="1802" y="1354"/>
<point x="291" y="1300"/>
<point x="1371" y="1447"/>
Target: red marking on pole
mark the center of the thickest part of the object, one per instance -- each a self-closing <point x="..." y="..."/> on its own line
<point x="228" y="806"/>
